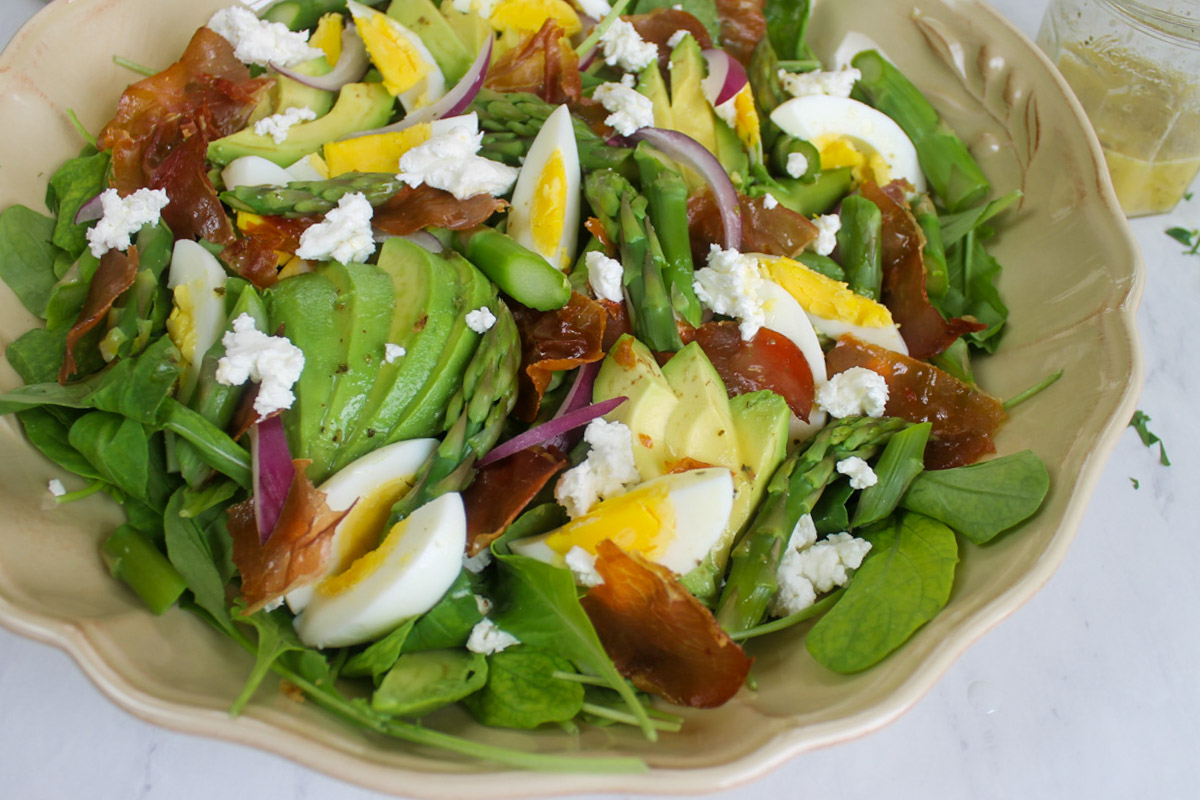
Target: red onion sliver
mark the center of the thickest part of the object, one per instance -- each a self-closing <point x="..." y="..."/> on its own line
<point x="89" y="211"/>
<point x="351" y="65"/>
<point x="550" y="430"/>
<point x="580" y="393"/>
<point x="726" y="77"/>
<point x="426" y="240"/>
<point x="271" y="464"/>
<point x="687" y="150"/>
<point x="450" y="104"/>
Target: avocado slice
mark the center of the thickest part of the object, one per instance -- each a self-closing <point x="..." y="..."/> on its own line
<point x="423" y="18"/>
<point x="425" y="416"/>
<point x="286" y="93"/>
<point x="428" y="301"/>
<point x="304" y="306"/>
<point x="630" y="371"/>
<point x="362" y="317"/>
<point x="690" y="110"/>
<point x="701" y="426"/>
<point x="651" y="86"/>
<point x="359" y="107"/>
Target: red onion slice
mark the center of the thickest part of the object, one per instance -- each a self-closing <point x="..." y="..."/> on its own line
<point x="687" y="150"/>
<point x="726" y="77"/>
<point x="92" y="209"/>
<point x="271" y="463"/>
<point x="351" y="65"/>
<point x="452" y="103"/>
<point x="580" y="393"/>
<point x="550" y="430"/>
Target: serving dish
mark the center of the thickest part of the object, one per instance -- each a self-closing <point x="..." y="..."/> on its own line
<point x="1072" y="279"/>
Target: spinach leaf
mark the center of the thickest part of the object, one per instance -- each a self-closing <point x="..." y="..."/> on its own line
<point x="117" y="447"/>
<point x="38" y="354"/>
<point x="787" y="24"/>
<point x="902" y="460"/>
<point x="1140" y="423"/>
<point x="981" y="500"/>
<point x="972" y="291"/>
<point x="380" y="655"/>
<point x="28" y="256"/>
<point x="421" y="683"/>
<point x="523" y="692"/>
<point x="829" y="515"/>
<point x="210" y="496"/>
<point x="957" y="225"/>
<point x="275" y="637"/>
<point x="449" y="623"/>
<point x="902" y="584"/>
<point x="51" y="435"/>
<point x="703" y="10"/>
<point x="539" y="519"/>
<point x="76" y="181"/>
<point x="191" y="551"/>
<point x="537" y="603"/>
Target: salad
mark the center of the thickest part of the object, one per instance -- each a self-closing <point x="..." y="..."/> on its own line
<point x="527" y="357"/>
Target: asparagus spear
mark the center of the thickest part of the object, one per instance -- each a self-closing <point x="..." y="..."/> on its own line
<point x="304" y="198"/>
<point x="945" y="160"/>
<point x="860" y="242"/>
<point x="937" y="275"/>
<point x="793" y="491"/>
<point x="666" y="197"/>
<point x="301" y="14"/>
<point x="521" y="273"/>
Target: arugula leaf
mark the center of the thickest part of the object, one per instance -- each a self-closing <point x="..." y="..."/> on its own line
<point x="522" y="690"/>
<point x="76" y="181"/>
<point x="275" y="637"/>
<point x="903" y="460"/>
<point x="28" y="256"/>
<point x="1190" y="239"/>
<point x="1139" y="423"/>
<point x="957" y="225"/>
<point x="380" y="655"/>
<point x="191" y="551"/>
<point x="981" y="500"/>
<point x="421" y="683"/>
<point x="903" y="583"/>
<point x="972" y="290"/>
<point x="117" y="447"/>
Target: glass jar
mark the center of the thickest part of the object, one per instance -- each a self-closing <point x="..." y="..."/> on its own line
<point x="1135" y="67"/>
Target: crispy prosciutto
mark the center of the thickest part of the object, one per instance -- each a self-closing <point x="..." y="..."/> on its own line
<point x="743" y="25"/>
<point x="544" y="65"/>
<point x="555" y="340"/>
<point x="660" y="25"/>
<point x="775" y="231"/>
<point x="963" y="418"/>
<point x="115" y="274"/>
<point x="255" y="256"/>
<point x="768" y="361"/>
<point x="502" y="489"/>
<point x="413" y="209"/>
<point x="659" y="635"/>
<point x="296" y="551"/>
<point x="925" y="331"/>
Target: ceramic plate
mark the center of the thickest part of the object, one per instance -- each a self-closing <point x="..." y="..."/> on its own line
<point x="1072" y="279"/>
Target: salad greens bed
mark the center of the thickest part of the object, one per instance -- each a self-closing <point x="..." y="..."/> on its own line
<point x="112" y="397"/>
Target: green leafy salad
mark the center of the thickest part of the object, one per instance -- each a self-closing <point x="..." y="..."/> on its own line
<point x="521" y="359"/>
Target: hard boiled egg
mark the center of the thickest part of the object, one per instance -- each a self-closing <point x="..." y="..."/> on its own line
<point x="254" y="171"/>
<point x="831" y="306"/>
<point x="840" y="126"/>
<point x="528" y="16"/>
<point x="545" y="202"/>
<point x="408" y="68"/>
<point x="197" y="281"/>
<point x="673" y="520"/>
<point x="404" y="577"/>
<point x="369" y="487"/>
<point x="785" y="316"/>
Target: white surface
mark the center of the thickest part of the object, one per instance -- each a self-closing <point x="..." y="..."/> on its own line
<point x="1090" y="690"/>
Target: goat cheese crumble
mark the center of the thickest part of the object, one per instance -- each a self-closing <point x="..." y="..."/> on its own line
<point x="797" y="165"/>
<point x="481" y="319"/>
<point x="258" y="41"/>
<point x="272" y="361"/>
<point x="483" y="8"/>
<point x="677" y="37"/>
<point x="859" y="471"/>
<point x="629" y="110"/>
<point x="605" y="276"/>
<point x="769" y="201"/>
<point x="344" y="235"/>
<point x="596" y="9"/>
<point x="624" y="47"/>
<point x="856" y="392"/>
<point x="56" y="488"/>
<point x="828" y="226"/>
<point x="606" y="472"/>
<point x="449" y="161"/>
<point x="809" y="567"/>
<point x="835" y="83"/>
<point x="277" y="126"/>
<point x="392" y="352"/>
<point x="583" y="566"/>
<point x="124" y="216"/>
<point x="729" y="286"/>
<point x="487" y="638"/>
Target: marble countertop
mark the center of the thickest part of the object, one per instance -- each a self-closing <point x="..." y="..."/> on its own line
<point x="1089" y="690"/>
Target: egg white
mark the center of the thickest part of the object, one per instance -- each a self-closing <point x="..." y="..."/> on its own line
<point x="432" y="84"/>
<point x="254" y="171"/>
<point x="556" y="135"/>
<point x="197" y="279"/>
<point x="785" y="316"/>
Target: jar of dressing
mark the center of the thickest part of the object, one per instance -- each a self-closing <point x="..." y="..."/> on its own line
<point x="1135" y="67"/>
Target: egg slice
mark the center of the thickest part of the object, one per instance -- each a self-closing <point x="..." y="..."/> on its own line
<point x="310" y="168"/>
<point x="408" y="68"/>
<point x="673" y="520"/>
<point x="785" y="316"/>
<point x="369" y="487"/>
<point x="545" y="204"/>
<point x="832" y="124"/>
<point x="402" y="578"/>
<point x="528" y="16"/>
<point x="197" y="282"/>
<point x="254" y="171"/>
<point x="377" y="152"/>
<point x="831" y="306"/>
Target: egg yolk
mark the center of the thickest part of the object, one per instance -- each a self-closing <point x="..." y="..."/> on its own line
<point x="825" y="297"/>
<point x="548" y="207"/>
<point x="640" y="521"/>
<point x="358" y="532"/>
<point x="397" y="58"/>
<point x="328" y="37"/>
<point x="747" y="127"/>
<point x="528" y="16"/>
<point x="364" y="566"/>
<point x="377" y="153"/>
<point x="181" y="325"/>
<point x="839" y="151"/>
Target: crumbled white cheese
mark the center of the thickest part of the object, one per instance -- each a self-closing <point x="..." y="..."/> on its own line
<point x="273" y="361"/>
<point x="344" y="235"/>
<point x="629" y="110"/>
<point x="828" y="226"/>
<point x="607" y="470"/>
<point x="808" y="569"/>
<point x="727" y="111"/>
<point x="605" y="276"/>
<point x="729" y="286"/>
<point x="486" y="638"/>
<point x="483" y="604"/>
<point x="596" y="9"/>
<point x="277" y="126"/>
<point x="481" y="319"/>
<point x="797" y="165"/>
<point x="836" y="83"/>
<point x="857" y="391"/>
<point x="258" y="41"/>
<point x="392" y="352"/>
<point x="769" y="201"/>
<point x="860" y="473"/>
<point x="477" y="563"/>
<point x="483" y="8"/>
<point x="56" y="487"/>
<point x="677" y="37"/>
<point x="624" y="47"/>
<point x="124" y="216"/>
<point x="448" y="160"/>
<point x="583" y="566"/>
